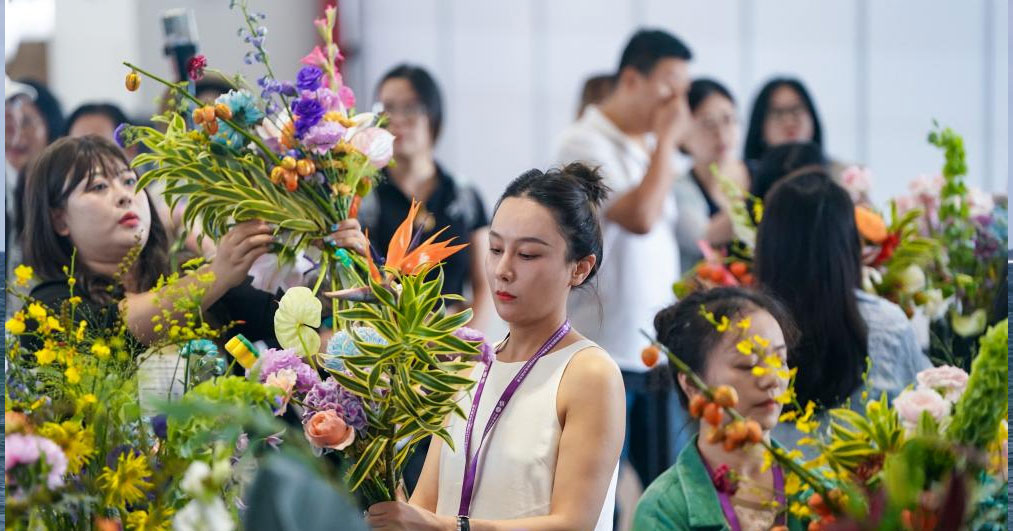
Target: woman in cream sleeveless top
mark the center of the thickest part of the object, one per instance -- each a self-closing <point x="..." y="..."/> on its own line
<point x="517" y="465"/>
<point x="553" y="401"/>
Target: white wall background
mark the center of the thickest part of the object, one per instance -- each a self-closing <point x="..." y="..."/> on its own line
<point x="880" y="71"/>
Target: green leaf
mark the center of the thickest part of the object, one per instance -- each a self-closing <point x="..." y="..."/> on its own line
<point x="364" y="466"/>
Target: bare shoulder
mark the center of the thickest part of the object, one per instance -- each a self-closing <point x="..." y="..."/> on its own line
<point x="592" y="369"/>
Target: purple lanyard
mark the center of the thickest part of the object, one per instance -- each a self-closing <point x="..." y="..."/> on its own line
<point x="726" y="501"/>
<point x="471" y="465"/>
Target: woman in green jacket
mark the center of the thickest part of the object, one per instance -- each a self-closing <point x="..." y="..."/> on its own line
<point x="709" y="487"/>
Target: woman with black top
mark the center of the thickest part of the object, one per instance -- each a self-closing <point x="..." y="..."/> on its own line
<point x="703" y="206"/>
<point x="81" y="195"/>
<point x="411" y="99"/>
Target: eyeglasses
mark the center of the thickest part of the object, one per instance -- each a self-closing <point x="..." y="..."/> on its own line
<point x="716" y="123"/>
<point x="408" y="110"/>
<point x="794" y="111"/>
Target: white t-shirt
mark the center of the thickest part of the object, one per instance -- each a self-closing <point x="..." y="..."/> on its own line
<point x="637" y="271"/>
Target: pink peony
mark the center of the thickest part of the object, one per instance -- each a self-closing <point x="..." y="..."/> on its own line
<point x="326" y="429"/>
<point x="911" y="403"/>
<point x="376" y="143"/>
<point x="948" y="381"/>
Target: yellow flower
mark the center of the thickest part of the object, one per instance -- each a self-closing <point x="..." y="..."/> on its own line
<point x="774" y="361"/>
<point x="768" y="461"/>
<point x="829" y="474"/>
<point x="72" y="374"/>
<point x="37" y="311"/>
<point x="78" y="444"/>
<point x="758" y="211"/>
<point x="294" y="322"/>
<point x="46" y="355"/>
<point x="100" y="350"/>
<point x="807" y="441"/>
<point x="762" y="341"/>
<point x="783" y="374"/>
<point x="792" y="484"/>
<point x="723" y="325"/>
<point x="126" y="484"/>
<point x="154" y="521"/>
<point x="799" y="510"/>
<point x="787" y="416"/>
<point x="16" y="324"/>
<point x="795" y="454"/>
<point x="79" y="335"/>
<point x="52" y="323"/>
<point x="745" y="347"/>
<point x="75" y="300"/>
<point x="745" y="323"/>
<point x="24" y="275"/>
<point x="759" y="371"/>
<point x="86" y="400"/>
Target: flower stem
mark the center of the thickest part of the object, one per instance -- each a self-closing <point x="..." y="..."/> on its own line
<point x="260" y="143"/>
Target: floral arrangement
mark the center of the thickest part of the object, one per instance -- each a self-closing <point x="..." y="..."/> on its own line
<point x="389" y="377"/>
<point x="934" y="459"/>
<point x="942" y="254"/>
<point x="82" y="452"/>
<point x="296" y="155"/>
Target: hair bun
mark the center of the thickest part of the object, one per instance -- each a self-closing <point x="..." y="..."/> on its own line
<point x="591" y="180"/>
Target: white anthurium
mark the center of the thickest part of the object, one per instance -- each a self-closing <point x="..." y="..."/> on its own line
<point x="296" y="319"/>
<point x="970" y="325"/>
<point x="359" y="122"/>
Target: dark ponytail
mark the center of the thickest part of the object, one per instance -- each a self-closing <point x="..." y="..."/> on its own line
<point x="574" y="194"/>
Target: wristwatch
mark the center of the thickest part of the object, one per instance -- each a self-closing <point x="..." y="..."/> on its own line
<point x="463" y="524"/>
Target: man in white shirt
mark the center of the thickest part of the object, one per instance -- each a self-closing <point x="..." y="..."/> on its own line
<point x="632" y="136"/>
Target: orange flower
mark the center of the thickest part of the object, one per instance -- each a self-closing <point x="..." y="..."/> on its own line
<point x="870" y="225"/>
<point x="325" y="429"/>
<point x="407" y="262"/>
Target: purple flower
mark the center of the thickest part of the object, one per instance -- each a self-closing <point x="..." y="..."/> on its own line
<point x="329" y="394"/>
<point x="118" y="134"/>
<point x="322" y="137"/>
<point x="308" y="78"/>
<point x="486" y="355"/>
<point x="159" y="424"/>
<point x="309" y="112"/>
<point x="274" y="360"/>
<point x="328" y="99"/>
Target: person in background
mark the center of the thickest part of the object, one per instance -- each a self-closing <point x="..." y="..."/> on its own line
<point x="782" y="160"/>
<point x="784" y="112"/>
<point x="632" y="138"/>
<point x="15" y="96"/>
<point x="702" y="204"/>
<point x="808" y="254"/>
<point x="42" y="123"/>
<point x="595" y="90"/>
<point x="411" y="99"/>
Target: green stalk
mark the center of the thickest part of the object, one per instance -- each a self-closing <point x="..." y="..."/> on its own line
<point x="260" y="143"/>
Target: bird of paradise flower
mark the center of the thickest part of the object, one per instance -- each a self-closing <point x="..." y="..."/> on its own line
<point x="405" y="256"/>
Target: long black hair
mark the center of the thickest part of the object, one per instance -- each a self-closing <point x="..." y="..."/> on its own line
<point x="573" y="194"/>
<point x="688" y="335"/>
<point x="808" y="254"/>
<point x="756" y="146"/>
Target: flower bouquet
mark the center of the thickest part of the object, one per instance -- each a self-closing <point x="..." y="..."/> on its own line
<point x="389" y="377"/>
<point x="297" y="155"/>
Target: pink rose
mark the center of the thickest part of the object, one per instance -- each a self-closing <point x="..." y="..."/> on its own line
<point x="948" y="381"/>
<point x="376" y="143"/>
<point x="911" y="403"/>
<point x="326" y="429"/>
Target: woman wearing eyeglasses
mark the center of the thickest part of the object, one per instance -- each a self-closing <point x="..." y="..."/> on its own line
<point x="713" y="139"/>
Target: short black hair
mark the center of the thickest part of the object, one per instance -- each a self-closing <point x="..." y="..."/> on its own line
<point x="109" y="110"/>
<point x="50" y="109"/>
<point x="691" y="337"/>
<point x="425" y="88"/>
<point x="647" y="47"/>
<point x="756" y="146"/>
